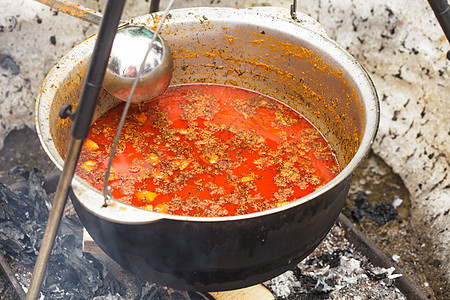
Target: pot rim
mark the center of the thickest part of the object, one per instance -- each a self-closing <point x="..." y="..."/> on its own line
<point x="280" y="17"/>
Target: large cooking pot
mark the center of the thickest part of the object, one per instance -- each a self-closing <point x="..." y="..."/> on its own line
<point x="261" y="49"/>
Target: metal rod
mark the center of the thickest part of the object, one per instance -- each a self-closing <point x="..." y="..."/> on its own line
<point x="75" y="10"/>
<point x="294" y="10"/>
<point x="4" y="266"/>
<point x="80" y="129"/>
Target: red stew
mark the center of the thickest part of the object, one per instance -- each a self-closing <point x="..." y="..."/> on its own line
<point x="208" y="150"/>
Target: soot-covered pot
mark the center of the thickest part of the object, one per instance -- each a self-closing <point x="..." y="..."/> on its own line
<point x="261" y="49"/>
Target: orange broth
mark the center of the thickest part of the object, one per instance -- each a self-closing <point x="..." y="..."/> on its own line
<point x="208" y="150"/>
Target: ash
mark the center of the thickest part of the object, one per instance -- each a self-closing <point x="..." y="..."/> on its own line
<point x="335" y="271"/>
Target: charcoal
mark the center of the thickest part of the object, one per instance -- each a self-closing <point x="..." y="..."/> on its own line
<point x="155" y="292"/>
<point x="59" y="274"/>
<point x="13" y="236"/>
<point x="384" y="212"/>
<point x="108" y="283"/>
<point x="360" y="200"/>
<point x="18" y="231"/>
<point x="312" y="284"/>
<point x="19" y="170"/>
<point x="436" y="263"/>
<point x="332" y="259"/>
<point x="297" y="272"/>
<point x="34" y="232"/>
<point x="40" y="200"/>
<point x="374" y="276"/>
<point x="381" y="213"/>
<point x="70" y="274"/>
<point x="317" y="287"/>
<point x="29" y="205"/>
<point x="108" y="297"/>
<point x="358" y="215"/>
<point x="309" y="281"/>
<point x="12" y="207"/>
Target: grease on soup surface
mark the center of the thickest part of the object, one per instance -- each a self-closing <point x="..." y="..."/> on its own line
<point x="208" y="150"/>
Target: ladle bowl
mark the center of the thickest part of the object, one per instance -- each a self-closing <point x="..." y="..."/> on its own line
<point x="127" y="54"/>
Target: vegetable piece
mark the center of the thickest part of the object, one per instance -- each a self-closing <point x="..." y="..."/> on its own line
<point x="145" y="196"/>
<point x="89" y="165"/>
<point x="91" y="145"/>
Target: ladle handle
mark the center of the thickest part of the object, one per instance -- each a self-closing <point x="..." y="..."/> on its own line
<point x="75" y="10"/>
<point x="85" y="111"/>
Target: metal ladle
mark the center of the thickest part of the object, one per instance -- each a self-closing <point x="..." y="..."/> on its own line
<point x="80" y="128"/>
<point x="127" y="54"/>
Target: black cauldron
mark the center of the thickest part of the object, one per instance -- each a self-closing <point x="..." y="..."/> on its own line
<point x="261" y="49"/>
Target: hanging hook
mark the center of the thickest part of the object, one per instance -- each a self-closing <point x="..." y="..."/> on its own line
<point x="154" y="6"/>
<point x="107" y="196"/>
<point x="294" y="10"/>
